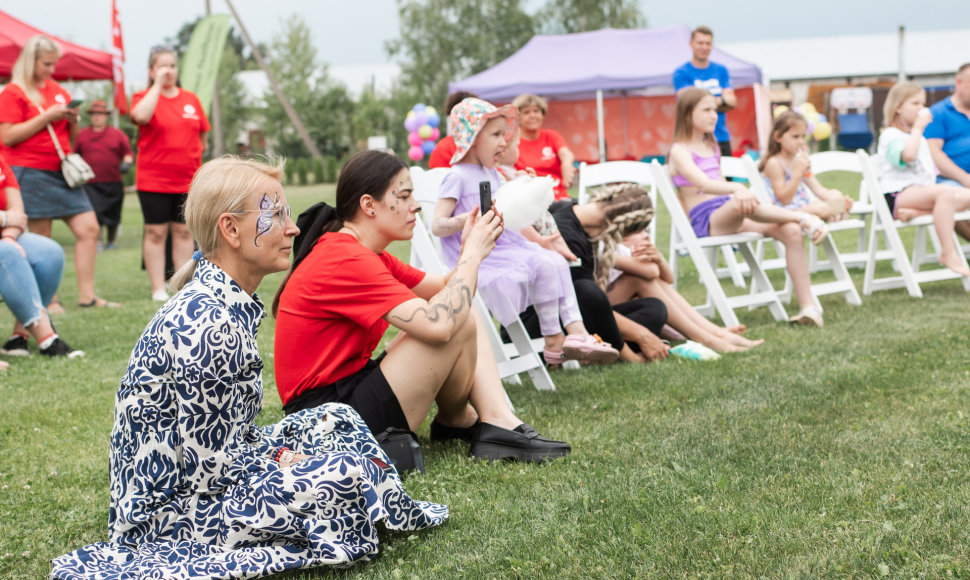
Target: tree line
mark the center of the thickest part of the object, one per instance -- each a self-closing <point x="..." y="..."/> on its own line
<point x="440" y="41"/>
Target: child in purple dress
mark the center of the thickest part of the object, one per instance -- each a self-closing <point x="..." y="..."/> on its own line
<point x="518" y="273"/>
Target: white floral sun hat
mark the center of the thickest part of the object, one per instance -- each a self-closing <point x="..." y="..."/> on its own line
<point x="469" y="117"/>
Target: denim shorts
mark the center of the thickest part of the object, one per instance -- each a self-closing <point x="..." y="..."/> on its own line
<point x="47" y="195"/>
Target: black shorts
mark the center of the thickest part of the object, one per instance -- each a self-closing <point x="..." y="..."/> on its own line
<point x="725" y="148"/>
<point x="107" y="199"/>
<point x="891" y="201"/>
<point x="367" y="391"/>
<point x="162" y="208"/>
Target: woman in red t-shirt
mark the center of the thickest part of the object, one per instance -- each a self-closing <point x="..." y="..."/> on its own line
<point x="33" y="106"/>
<point x="543" y="150"/>
<point x="172" y="130"/>
<point x="344" y="290"/>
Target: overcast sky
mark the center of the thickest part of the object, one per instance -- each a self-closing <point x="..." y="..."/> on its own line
<point x="353" y="32"/>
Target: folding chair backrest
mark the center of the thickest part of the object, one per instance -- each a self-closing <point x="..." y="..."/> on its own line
<point x="591" y="176"/>
<point x="612" y="172"/>
<point x="845" y="161"/>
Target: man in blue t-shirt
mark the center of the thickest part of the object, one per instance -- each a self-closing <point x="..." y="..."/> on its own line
<point x="949" y="133"/>
<point x="701" y="72"/>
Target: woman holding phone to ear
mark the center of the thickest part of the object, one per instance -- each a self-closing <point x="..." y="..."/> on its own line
<point x="172" y="130"/>
<point x="33" y="110"/>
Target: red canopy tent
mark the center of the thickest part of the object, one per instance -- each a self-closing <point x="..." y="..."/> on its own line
<point x="77" y="63"/>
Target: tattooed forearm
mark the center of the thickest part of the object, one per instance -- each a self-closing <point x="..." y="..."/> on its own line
<point x="447" y="304"/>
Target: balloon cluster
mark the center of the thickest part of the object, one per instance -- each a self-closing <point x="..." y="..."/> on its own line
<point x="818" y="128"/>
<point x="422" y="125"/>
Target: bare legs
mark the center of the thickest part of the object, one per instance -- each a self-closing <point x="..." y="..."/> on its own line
<point x="154" y="250"/>
<point x="680" y="314"/>
<point x="452" y="374"/>
<point x="942" y="201"/>
<point x="85" y="228"/>
<point x="780" y="224"/>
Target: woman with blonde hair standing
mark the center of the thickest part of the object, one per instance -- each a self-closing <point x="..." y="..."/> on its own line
<point x="34" y="110"/>
<point x="172" y="130"/>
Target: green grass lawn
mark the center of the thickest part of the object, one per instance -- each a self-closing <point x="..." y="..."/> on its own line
<point x="840" y="452"/>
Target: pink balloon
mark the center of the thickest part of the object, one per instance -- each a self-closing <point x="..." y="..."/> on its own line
<point x="416" y="153"/>
<point x="414" y="139"/>
<point x="435" y="134"/>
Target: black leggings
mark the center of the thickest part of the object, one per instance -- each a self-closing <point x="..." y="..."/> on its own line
<point x="597" y="313"/>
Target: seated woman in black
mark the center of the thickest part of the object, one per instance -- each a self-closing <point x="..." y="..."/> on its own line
<point x="632" y="327"/>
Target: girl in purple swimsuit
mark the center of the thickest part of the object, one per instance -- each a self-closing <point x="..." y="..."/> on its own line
<point x="719" y="207"/>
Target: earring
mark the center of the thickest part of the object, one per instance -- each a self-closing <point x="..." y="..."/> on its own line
<point x="372" y="213"/>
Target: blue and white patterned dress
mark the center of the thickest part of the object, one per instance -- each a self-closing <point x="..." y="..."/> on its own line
<point x="194" y="490"/>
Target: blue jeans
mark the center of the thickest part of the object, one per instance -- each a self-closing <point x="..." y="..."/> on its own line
<point x="28" y="284"/>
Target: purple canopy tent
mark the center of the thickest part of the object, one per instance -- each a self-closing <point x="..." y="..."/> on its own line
<point x="576" y="66"/>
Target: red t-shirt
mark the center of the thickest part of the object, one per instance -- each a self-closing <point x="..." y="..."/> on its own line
<point x="542" y="154"/>
<point x="103" y="150"/>
<point x="7" y="179"/>
<point x="443" y="150"/>
<point x="38" y="150"/>
<point x="169" y="146"/>
<point x="330" y="317"/>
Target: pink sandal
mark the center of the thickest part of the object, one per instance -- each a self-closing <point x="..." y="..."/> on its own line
<point x="588" y="349"/>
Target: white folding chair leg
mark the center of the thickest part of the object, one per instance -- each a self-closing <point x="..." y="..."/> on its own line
<point x="528" y="359"/>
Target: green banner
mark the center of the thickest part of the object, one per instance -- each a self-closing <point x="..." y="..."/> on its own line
<point x="199" y="70"/>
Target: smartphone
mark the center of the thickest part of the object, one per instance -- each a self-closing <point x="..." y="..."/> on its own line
<point x="75" y="103"/>
<point x="485" y="196"/>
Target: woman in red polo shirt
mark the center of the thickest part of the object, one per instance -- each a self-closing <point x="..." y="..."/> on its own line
<point x="344" y="290"/>
<point x="29" y="105"/>
<point x="172" y="129"/>
<point x="543" y="150"/>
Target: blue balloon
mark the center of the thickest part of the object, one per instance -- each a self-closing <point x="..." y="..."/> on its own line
<point x="427" y="147"/>
<point x="822" y="119"/>
<point x="419" y="108"/>
<point x="434" y="119"/>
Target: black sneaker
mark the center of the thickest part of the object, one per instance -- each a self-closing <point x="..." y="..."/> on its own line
<point x="61" y="348"/>
<point x="16" y="346"/>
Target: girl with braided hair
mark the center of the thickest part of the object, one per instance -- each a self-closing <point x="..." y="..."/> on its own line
<point x="633" y="326"/>
<point x="636" y="268"/>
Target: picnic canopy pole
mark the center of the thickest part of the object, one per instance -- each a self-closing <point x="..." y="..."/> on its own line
<point x="294" y="118"/>
<point x="902" y="65"/>
<point x="600" y="131"/>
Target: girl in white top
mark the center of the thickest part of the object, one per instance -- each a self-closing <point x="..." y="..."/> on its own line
<point x="908" y="175"/>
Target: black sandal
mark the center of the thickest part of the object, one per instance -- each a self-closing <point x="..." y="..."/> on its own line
<point x="98" y="302"/>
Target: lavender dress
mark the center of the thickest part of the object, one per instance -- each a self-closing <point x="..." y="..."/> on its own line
<point x="518" y="273"/>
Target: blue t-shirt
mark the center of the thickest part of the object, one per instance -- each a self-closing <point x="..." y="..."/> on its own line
<point x="953" y="127"/>
<point x="714" y="79"/>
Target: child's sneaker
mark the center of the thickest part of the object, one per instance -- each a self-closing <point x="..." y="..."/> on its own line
<point x="16" y="346"/>
<point x="61" y="348"/>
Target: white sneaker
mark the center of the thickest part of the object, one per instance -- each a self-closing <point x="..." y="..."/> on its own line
<point x="160" y="295"/>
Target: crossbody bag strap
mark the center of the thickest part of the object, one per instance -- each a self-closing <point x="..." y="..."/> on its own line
<point x="57" y="145"/>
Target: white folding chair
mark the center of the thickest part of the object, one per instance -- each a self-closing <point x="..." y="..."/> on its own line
<point x="618" y="172"/>
<point x="910" y="275"/>
<point x="858" y="219"/>
<point x="701" y="250"/>
<point x="842" y="284"/>
<point x="521" y="355"/>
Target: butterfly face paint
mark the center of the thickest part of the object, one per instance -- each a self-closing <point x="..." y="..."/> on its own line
<point x="267" y="211"/>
